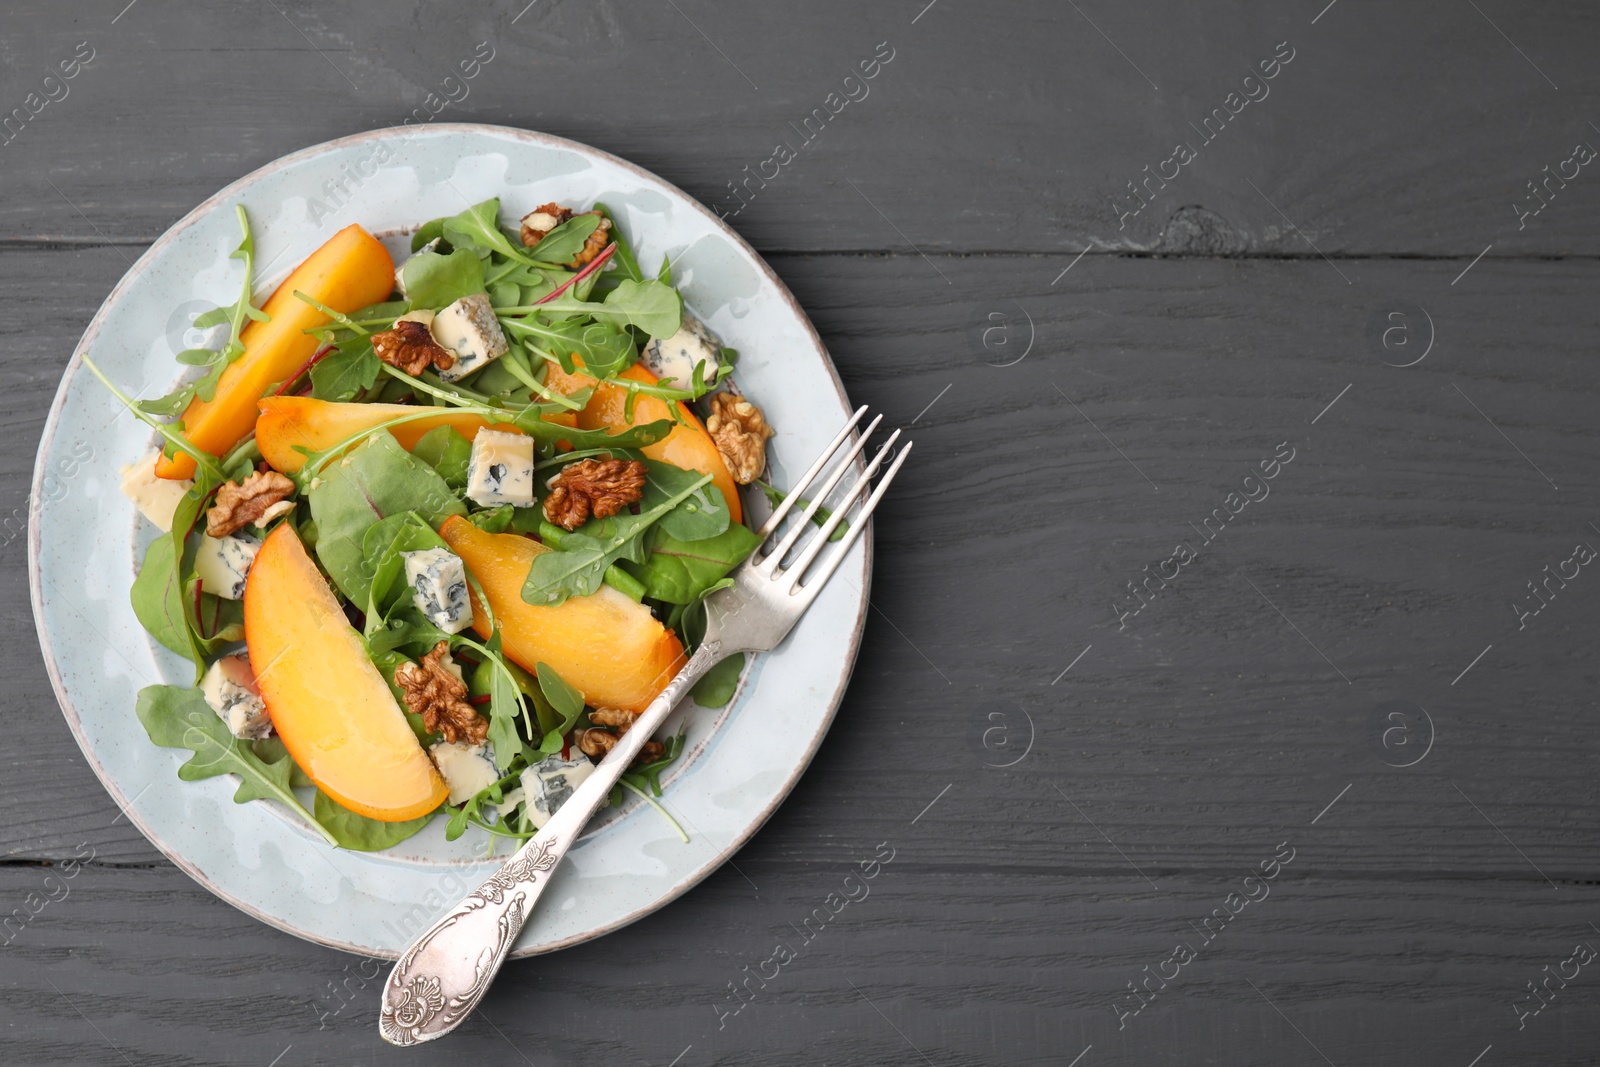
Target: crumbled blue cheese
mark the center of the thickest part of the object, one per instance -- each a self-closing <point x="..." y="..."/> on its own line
<point x="156" y="498"/>
<point x="438" y="582"/>
<point x="471" y="333"/>
<point x="399" y="272"/>
<point x="676" y="356"/>
<point x="229" y="687"/>
<point x="501" y="469"/>
<point x="550" y="783"/>
<point x="466" y="769"/>
<point x="223" y="563"/>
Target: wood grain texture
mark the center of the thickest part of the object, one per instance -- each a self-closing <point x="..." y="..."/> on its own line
<point x="1070" y="787"/>
<point x="1395" y="128"/>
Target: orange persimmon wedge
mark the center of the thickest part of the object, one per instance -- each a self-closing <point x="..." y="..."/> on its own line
<point x="287" y="421"/>
<point x="328" y="702"/>
<point x="687" y="446"/>
<point x="606" y="645"/>
<point x="349" y="272"/>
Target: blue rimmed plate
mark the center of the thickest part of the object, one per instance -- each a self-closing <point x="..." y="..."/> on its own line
<point x="85" y="541"/>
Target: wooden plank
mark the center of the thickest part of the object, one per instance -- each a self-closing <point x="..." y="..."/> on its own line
<point x="1210" y="725"/>
<point x="1022" y="140"/>
<point x="971" y="966"/>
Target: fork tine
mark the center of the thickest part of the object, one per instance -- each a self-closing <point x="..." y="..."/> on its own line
<point x="821" y="540"/>
<point x="774" y="559"/>
<point x="805" y="479"/>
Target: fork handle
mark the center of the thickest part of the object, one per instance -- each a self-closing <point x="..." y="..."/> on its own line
<point x="439" y="980"/>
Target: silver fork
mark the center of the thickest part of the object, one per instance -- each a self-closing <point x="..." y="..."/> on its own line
<point x="439" y="980"/>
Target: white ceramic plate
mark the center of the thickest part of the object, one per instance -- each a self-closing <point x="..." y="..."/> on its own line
<point x="85" y="540"/>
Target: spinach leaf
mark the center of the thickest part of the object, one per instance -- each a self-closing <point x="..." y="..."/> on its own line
<point x="719" y="684"/>
<point x="375" y="481"/>
<point x="567" y="239"/>
<point x="181" y="718"/>
<point x="432" y="281"/>
<point x="359" y="833"/>
<point x="494" y="520"/>
<point x="342" y="375"/>
<point x="579" y="566"/>
<point x="447" y="452"/>
<point x="381" y="550"/>
<point x="158" y="591"/>
<point x="270" y="749"/>
<point x="680" y="572"/>
<point x="704" y="513"/>
<point x="429" y="231"/>
<point x="652" y="306"/>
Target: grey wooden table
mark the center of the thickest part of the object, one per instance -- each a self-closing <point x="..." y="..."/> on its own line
<point x="1178" y="762"/>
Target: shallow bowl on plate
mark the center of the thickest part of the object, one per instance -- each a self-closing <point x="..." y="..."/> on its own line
<point x="85" y="541"/>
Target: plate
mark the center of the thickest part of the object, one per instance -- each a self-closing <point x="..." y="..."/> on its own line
<point x="85" y="539"/>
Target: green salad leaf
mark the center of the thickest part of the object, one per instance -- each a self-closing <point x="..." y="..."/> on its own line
<point x="682" y="572"/>
<point x="350" y="496"/>
<point x="359" y="833"/>
<point x="717" y="686"/>
<point x="567" y="239"/>
<point x="431" y="280"/>
<point x="605" y="348"/>
<point x="652" y="306"/>
<point x="345" y="373"/>
<point x="181" y="718"/>
<point x="579" y="566"/>
<point x="703" y="513"/>
<point x="446" y="451"/>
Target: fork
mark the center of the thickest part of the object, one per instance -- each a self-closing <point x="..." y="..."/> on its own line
<point x="440" y="979"/>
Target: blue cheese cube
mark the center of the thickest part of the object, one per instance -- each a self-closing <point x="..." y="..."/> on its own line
<point x="675" y="357"/>
<point x="223" y="563"/>
<point x="550" y="783"/>
<point x="501" y="469"/>
<point x="466" y="769"/>
<point x="471" y="333"/>
<point x="438" y="582"/>
<point x="230" y="688"/>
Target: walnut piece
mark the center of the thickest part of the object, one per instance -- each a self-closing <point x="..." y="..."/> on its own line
<point x="595" y="743"/>
<point x="437" y="693"/>
<point x="241" y="503"/>
<point x="595" y="244"/>
<point x="618" y="718"/>
<point x="538" y="223"/>
<point x="410" y="347"/>
<point x="740" y="432"/>
<point x="598" y="487"/>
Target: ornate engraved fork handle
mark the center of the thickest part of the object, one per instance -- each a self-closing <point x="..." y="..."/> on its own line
<point x="441" y="978"/>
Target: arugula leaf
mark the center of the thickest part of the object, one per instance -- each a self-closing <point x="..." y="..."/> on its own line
<point x="478" y="227"/>
<point x="431" y="280"/>
<point x="235" y="315"/>
<point x="181" y="718"/>
<point x="704" y="513"/>
<point x="567" y="239"/>
<point x="345" y="373"/>
<point x="375" y="481"/>
<point x="777" y="496"/>
<point x="652" y="306"/>
<point x="359" y="833"/>
<point x="579" y="566"/>
<point x="718" y="685"/>
<point x="447" y="452"/>
<point x="270" y="749"/>
<point x="605" y="348"/>
<point x="623" y="257"/>
<point x="680" y="572"/>
<point x="565" y="701"/>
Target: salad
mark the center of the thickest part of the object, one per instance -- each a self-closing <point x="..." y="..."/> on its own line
<point x="433" y="537"/>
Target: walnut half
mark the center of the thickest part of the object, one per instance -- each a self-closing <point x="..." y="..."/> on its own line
<point x="437" y="693"/>
<point x="410" y="347"/>
<point x="740" y="432"/>
<point x="595" y="743"/>
<point x="598" y="487"/>
<point x="241" y="503"/>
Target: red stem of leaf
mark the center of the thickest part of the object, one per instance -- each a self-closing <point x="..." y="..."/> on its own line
<point x="316" y="357"/>
<point x="593" y="265"/>
<point x="479" y="701"/>
<point x="566" y="747"/>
